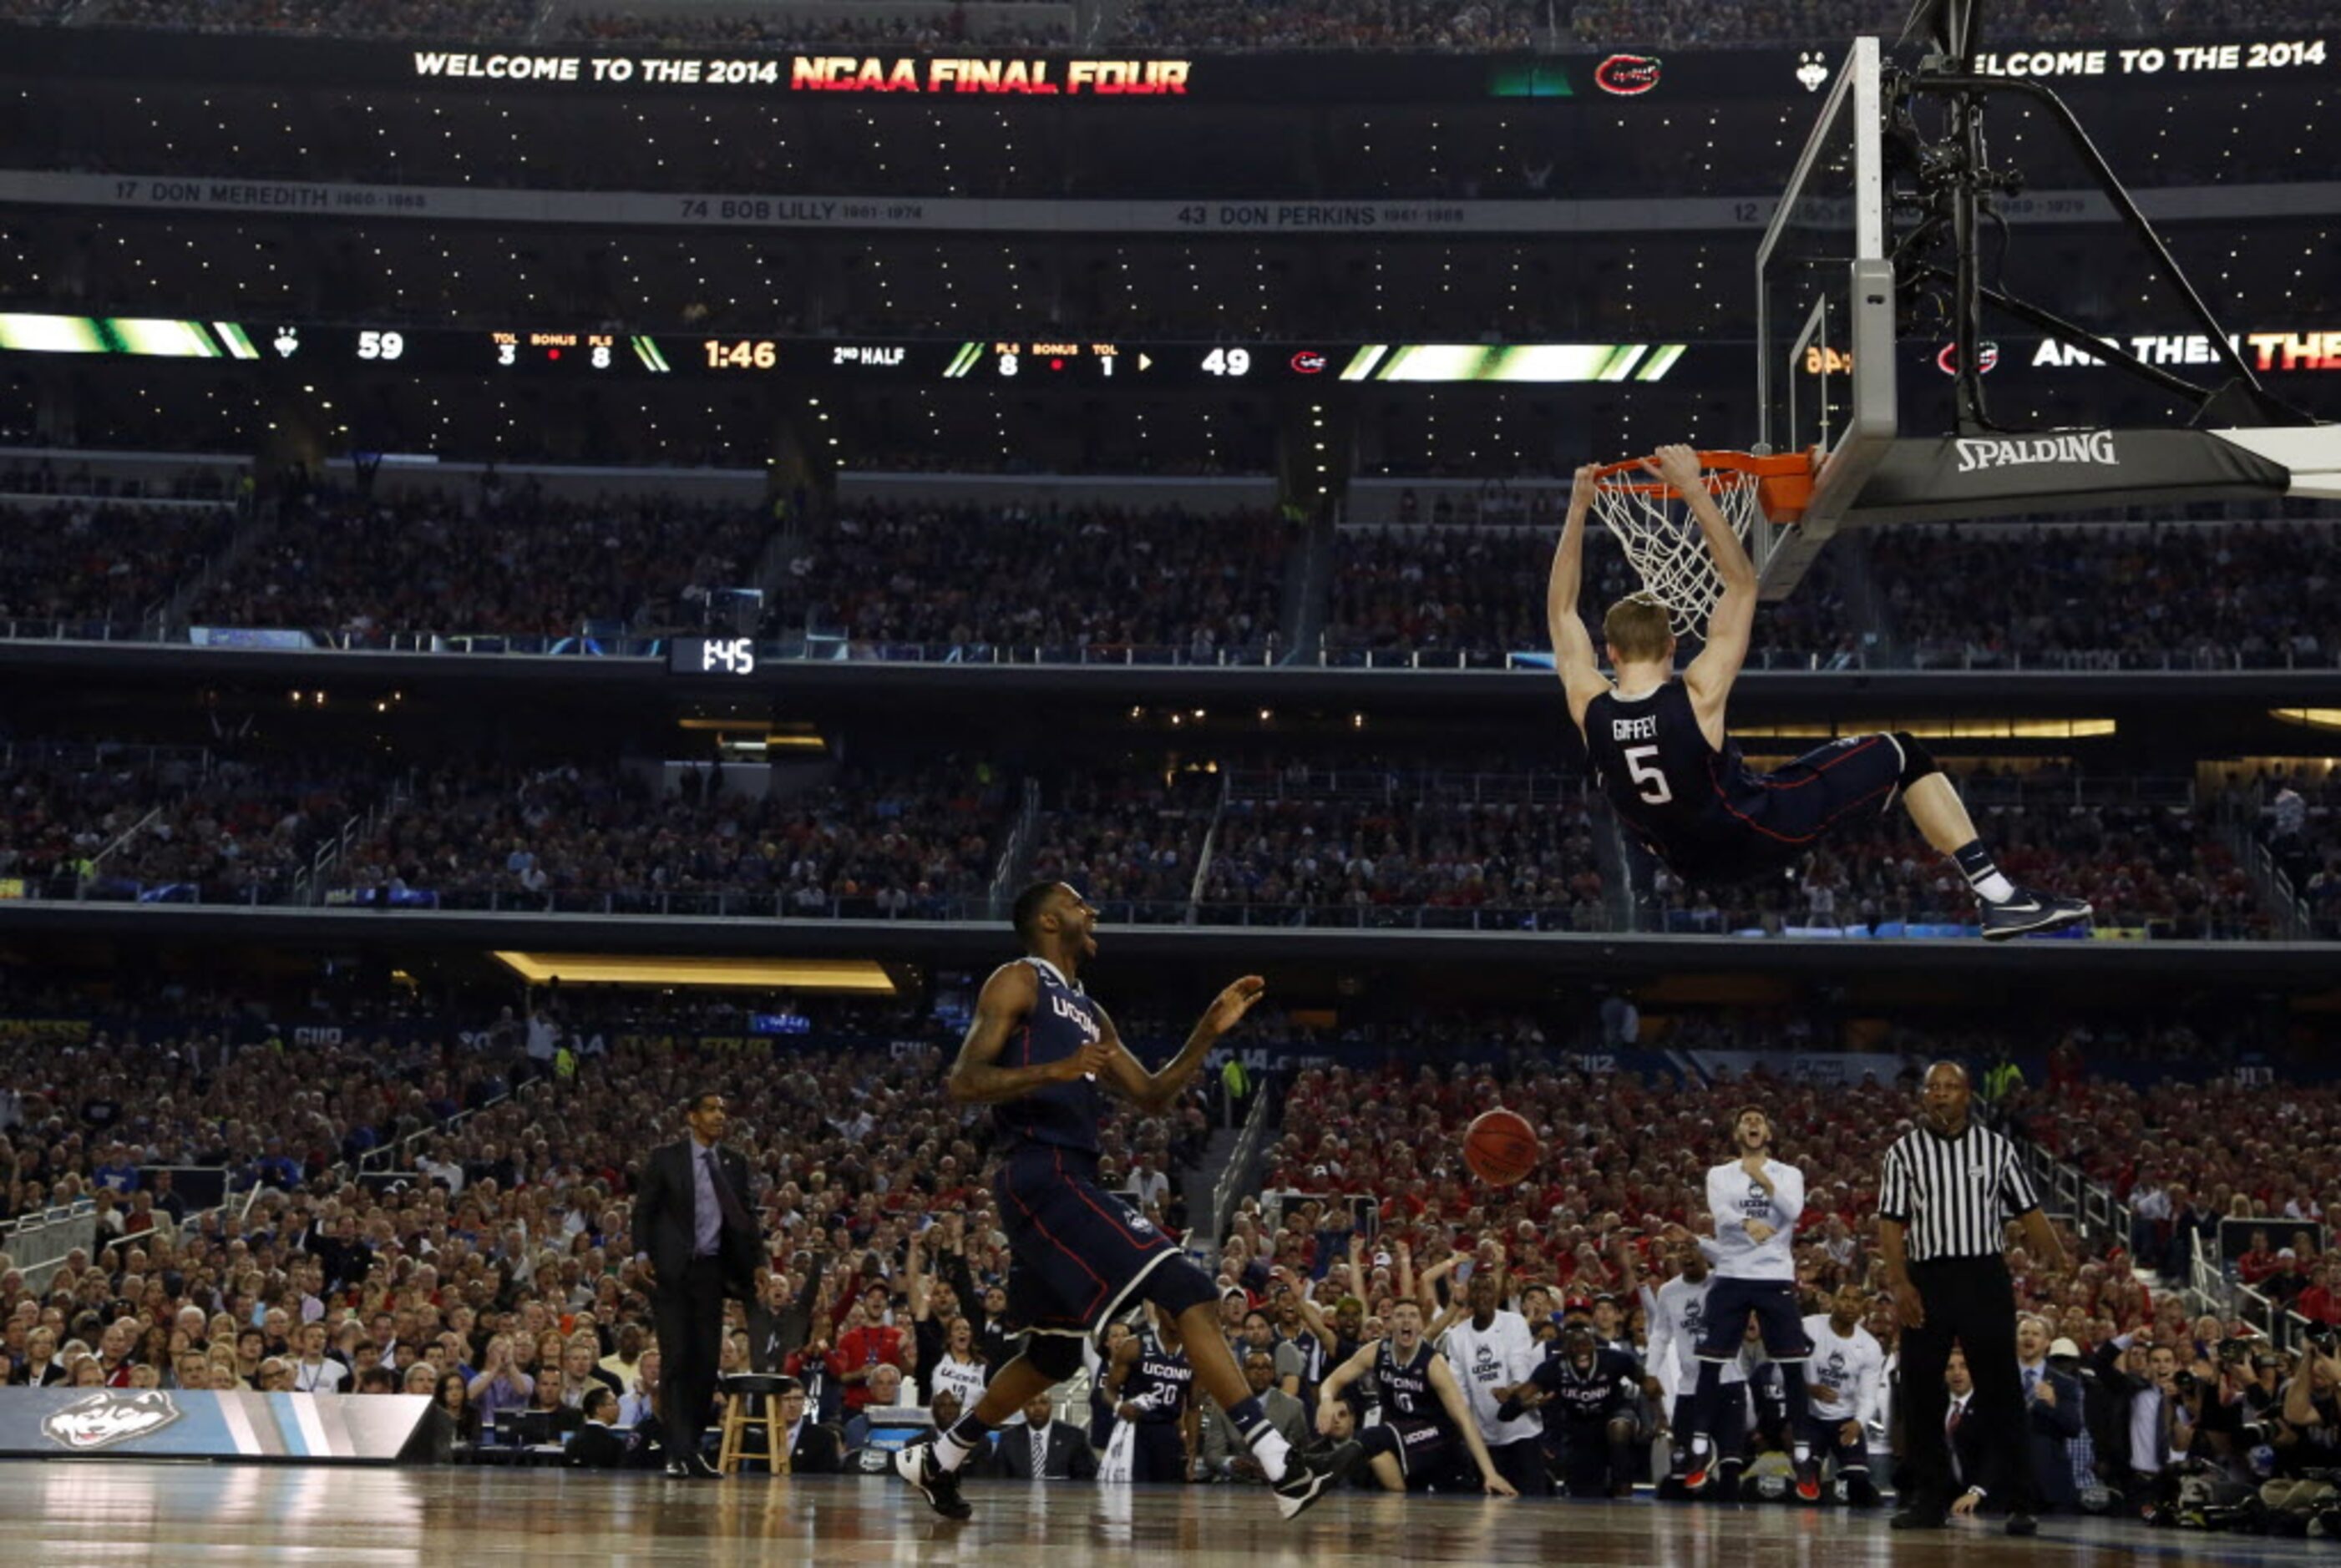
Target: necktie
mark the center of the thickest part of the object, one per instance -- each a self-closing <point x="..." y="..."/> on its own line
<point x="734" y="1215"/>
<point x="1040" y="1452"/>
<point x="2031" y="1381"/>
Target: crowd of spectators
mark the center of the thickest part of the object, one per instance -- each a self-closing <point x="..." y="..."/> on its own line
<point x="170" y="824"/>
<point x="2210" y="596"/>
<point x="455" y="1200"/>
<point x="1477" y="594"/>
<point x="1086" y="581"/>
<point x="920" y="843"/>
<point x="2298" y="818"/>
<point x="782" y="28"/>
<point x="88" y="564"/>
<point x="499" y="559"/>
<point x="1295" y="847"/>
<point x="2159" y="869"/>
<point x="1485" y="25"/>
<point x="1131" y="839"/>
<point x="1466" y="25"/>
<point x="424" y="19"/>
<point x="445" y="1210"/>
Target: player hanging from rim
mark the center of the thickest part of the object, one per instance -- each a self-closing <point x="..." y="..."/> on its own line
<point x="1663" y="758"/>
<point x="1041" y="1053"/>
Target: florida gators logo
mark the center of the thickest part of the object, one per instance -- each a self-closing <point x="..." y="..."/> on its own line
<point x="1627" y="75"/>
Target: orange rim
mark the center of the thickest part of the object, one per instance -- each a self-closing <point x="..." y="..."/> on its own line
<point x="1784" y="484"/>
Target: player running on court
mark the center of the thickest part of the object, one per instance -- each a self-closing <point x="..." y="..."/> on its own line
<point x="1665" y="760"/>
<point x="1042" y="1053"/>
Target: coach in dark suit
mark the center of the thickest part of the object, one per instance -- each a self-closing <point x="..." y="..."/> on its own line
<point x="692" y="1225"/>
<point x="1042" y="1449"/>
<point x="2054" y="1406"/>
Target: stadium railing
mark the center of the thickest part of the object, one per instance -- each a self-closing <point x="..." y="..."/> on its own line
<point x="37" y="1244"/>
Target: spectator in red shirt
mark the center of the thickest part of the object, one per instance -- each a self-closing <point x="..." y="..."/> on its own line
<point x="2321" y="1302"/>
<point x="2257" y="1263"/>
<point x="865" y="1347"/>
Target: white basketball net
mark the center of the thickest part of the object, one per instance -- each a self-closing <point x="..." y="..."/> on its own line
<point x="1661" y="539"/>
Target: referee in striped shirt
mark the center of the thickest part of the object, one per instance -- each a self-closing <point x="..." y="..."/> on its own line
<point x="1950" y="1188"/>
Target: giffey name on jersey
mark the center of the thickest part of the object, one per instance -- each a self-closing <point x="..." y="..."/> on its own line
<point x="1642" y="729"/>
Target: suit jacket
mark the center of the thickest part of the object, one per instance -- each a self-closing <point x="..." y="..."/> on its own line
<point x="596" y="1447"/>
<point x="1069" y="1456"/>
<point x="1968" y="1449"/>
<point x="665" y="1203"/>
<point x="819" y="1449"/>
<point x="2049" y="1430"/>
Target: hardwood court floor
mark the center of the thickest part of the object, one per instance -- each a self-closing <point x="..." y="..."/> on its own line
<point x="60" y="1513"/>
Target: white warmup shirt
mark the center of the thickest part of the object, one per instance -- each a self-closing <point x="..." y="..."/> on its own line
<point x="1846" y="1377"/>
<point x="1498" y="1357"/>
<point x="1733" y="1198"/>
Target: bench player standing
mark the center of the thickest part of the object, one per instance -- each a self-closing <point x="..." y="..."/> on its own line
<point x="1152" y="1384"/>
<point x="1042" y="1053"/>
<point x="1667" y="765"/>
<point x="1755" y="1201"/>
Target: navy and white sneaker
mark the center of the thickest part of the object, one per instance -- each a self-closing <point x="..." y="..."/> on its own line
<point x="2029" y="912"/>
<point x="939" y="1486"/>
<point x="1308" y="1475"/>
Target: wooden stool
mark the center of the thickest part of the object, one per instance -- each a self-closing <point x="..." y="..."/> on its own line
<point x="741" y="1415"/>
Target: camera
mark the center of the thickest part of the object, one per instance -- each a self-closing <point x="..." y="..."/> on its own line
<point x="2184" y="1382"/>
<point x="2235" y="1348"/>
<point x="2321" y="1335"/>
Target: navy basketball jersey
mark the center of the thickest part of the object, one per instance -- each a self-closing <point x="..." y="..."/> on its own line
<point x="1054" y="1115"/>
<point x="1404" y="1387"/>
<point x="1653" y="764"/>
<point x="1603" y="1390"/>
<point x="1159" y="1384"/>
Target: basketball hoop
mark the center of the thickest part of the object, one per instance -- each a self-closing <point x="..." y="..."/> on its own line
<point x="1661" y="539"/>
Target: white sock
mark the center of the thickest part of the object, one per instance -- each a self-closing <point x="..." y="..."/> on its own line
<point x="949" y="1451"/>
<point x="1269" y="1447"/>
<point x="1995" y="888"/>
<point x="1698" y="1445"/>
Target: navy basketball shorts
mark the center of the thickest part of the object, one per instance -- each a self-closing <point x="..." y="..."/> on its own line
<point x="1158" y="1452"/>
<point x="1422" y="1446"/>
<point x="1826" y="1433"/>
<point x="1078" y="1254"/>
<point x="1774" y="1304"/>
<point x="1774" y="818"/>
<point x="1585" y="1456"/>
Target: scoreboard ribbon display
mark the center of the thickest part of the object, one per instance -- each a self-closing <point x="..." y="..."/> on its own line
<point x="1022" y="361"/>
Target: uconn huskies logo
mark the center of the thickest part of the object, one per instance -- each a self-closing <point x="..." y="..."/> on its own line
<point x="104" y="1419"/>
<point x="1066" y="1007"/>
<point x="1833" y="1374"/>
<point x="1756" y="1203"/>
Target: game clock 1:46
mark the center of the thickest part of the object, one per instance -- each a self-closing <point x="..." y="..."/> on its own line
<point x="741" y="354"/>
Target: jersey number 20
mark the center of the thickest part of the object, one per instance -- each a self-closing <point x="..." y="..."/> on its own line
<point x="1653" y="781"/>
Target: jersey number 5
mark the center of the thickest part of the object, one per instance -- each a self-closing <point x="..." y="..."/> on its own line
<point x="1652" y="781"/>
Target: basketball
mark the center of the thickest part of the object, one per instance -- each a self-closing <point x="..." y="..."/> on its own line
<point x="1499" y="1146"/>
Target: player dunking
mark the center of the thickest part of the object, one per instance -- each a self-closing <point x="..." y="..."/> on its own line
<point x="1663" y="758"/>
<point x="1041" y="1053"/>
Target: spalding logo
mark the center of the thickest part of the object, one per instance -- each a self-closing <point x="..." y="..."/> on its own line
<point x="109" y="1416"/>
<point x="1627" y="75"/>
